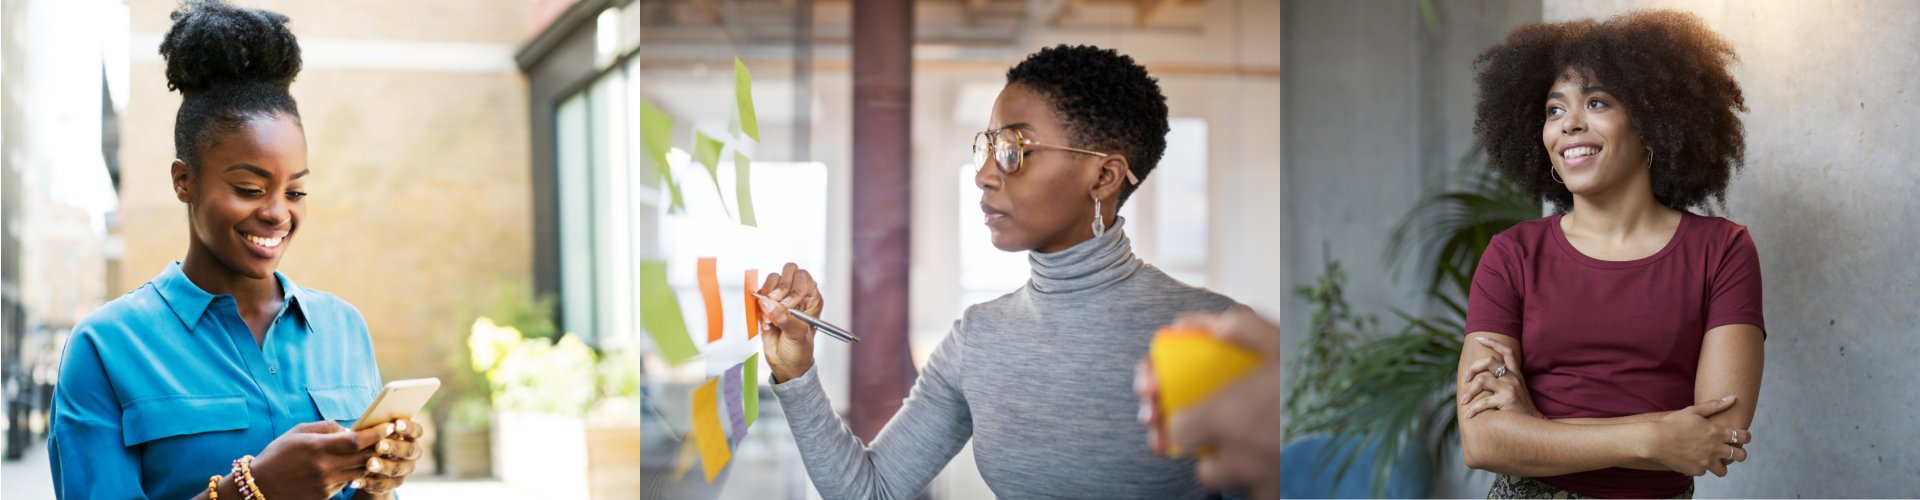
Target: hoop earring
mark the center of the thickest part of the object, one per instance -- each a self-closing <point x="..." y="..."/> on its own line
<point x="1099" y="226"/>
<point x="1555" y="176"/>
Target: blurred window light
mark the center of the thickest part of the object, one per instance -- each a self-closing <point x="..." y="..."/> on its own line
<point x="598" y="161"/>
<point x="1180" y="201"/>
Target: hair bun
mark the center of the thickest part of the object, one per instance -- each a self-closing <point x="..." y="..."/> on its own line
<point x="213" y="43"/>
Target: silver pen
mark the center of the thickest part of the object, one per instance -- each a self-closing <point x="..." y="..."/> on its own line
<point x="824" y="327"/>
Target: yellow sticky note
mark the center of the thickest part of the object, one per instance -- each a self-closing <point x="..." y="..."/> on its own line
<point x="707" y="433"/>
<point x="684" y="462"/>
<point x="1191" y="365"/>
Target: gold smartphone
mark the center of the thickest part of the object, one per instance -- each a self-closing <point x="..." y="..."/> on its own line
<point x="399" y="399"/>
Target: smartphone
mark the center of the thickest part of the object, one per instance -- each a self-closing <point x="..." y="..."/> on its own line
<point x="399" y="399"/>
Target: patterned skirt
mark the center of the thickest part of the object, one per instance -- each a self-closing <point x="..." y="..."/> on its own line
<point x="1526" y="487"/>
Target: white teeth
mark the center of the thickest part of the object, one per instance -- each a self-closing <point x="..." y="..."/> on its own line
<point x="1579" y="152"/>
<point x="265" y="242"/>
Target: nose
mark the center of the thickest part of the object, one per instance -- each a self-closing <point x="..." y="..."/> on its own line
<point x="274" y="212"/>
<point x="988" y="174"/>
<point x="1574" y="122"/>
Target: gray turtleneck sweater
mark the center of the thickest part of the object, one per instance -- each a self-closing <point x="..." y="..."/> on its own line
<point x="1041" y="379"/>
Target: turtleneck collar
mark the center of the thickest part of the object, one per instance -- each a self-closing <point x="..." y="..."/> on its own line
<point x="1095" y="263"/>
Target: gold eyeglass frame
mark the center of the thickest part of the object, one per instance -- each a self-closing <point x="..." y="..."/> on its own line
<point x="1020" y="160"/>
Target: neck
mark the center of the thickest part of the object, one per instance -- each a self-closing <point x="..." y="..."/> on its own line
<point x="1620" y="211"/>
<point x="214" y="277"/>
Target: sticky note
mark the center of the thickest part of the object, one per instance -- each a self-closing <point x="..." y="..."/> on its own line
<point x="708" y="151"/>
<point x="710" y="290"/>
<point x="1191" y="365"/>
<point x="730" y="386"/>
<point x="753" y="304"/>
<point x="743" y="100"/>
<point x="656" y="130"/>
<point x="741" y="190"/>
<point x="712" y="441"/>
<point x="660" y="314"/>
<point x="750" y="388"/>
<point x="684" y="462"/>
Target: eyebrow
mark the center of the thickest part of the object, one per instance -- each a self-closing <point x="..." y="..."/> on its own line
<point x="263" y="172"/>
<point x="1589" y="90"/>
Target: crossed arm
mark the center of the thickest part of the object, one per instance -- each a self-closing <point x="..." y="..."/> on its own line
<point x="1500" y="431"/>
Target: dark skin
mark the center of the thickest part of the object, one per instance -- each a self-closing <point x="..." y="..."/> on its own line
<point x="1047" y="206"/>
<point x="243" y="207"/>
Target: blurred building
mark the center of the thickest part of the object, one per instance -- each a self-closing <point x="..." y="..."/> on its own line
<point x="61" y="103"/>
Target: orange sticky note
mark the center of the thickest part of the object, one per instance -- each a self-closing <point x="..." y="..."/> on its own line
<point x="710" y="290"/>
<point x="707" y="433"/>
<point x="1190" y="366"/>
<point x="753" y="304"/>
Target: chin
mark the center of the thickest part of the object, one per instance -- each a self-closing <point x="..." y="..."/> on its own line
<point x="1005" y="243"/>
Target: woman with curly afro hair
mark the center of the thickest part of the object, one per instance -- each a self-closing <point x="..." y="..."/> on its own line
<point x="1616" y="346"/>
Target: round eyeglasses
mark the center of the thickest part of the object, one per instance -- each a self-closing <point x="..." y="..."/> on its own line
<point x="1005" y="147"/>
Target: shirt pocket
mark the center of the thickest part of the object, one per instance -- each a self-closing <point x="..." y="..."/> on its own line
<point x="341" y="403"/>
<point x="144" y="420"/>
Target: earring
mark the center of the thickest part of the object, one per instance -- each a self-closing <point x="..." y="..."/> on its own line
<point x="1649" y="158"/>
<point x="1099" y="226"/>
<point x="1552" y="173"/>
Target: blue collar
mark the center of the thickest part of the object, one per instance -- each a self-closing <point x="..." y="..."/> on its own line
<point x="189" y="302"/>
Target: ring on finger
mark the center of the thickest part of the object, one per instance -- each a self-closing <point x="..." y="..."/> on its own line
<point x="1502" y="370"/>
<point x="1729" y="453"/>
<point x="1734" y="437"/>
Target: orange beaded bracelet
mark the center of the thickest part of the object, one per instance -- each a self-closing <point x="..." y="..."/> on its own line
<point x="213" y="488"/>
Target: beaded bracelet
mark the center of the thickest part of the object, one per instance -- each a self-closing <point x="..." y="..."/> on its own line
<point x="243" y="478"/>
<point x="213" y="488"/>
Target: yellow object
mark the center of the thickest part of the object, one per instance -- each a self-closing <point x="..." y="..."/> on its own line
<point x="1189" y="366"/>
<point x="213" y="488"/>
<point x="706" y="429"/>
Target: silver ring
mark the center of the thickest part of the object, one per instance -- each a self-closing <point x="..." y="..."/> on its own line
<point x="1502" y="370"/>
<point x="1729" y="454"/>
<point x="1734" y="437"/>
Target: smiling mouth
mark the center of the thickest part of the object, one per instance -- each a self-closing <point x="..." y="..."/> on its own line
<point x="264" y="242"/>
<point x="1580" y="152"/>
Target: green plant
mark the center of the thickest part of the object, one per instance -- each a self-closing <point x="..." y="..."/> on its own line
<point x="1398" y="390"/>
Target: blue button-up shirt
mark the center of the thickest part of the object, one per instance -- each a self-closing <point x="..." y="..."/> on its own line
<point x="165" y="386"/>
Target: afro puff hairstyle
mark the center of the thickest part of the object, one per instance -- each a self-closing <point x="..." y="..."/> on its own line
<point x="230" y="65"/>
<point x="1667" y="68"/>
<point x="1106" y="101"/>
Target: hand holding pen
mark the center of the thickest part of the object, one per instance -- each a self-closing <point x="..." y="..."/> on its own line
<point x="786" y="339"/>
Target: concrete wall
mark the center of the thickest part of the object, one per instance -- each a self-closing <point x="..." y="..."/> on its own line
<point x="1827" y="194"/>
<point x="1378" y="109"/>
<point x="420" y="200"/>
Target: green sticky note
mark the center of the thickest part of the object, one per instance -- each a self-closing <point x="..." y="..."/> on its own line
<point x="741" y="190"/>
<point x="751" y="385"/>
<point x="743" y="100"/>
<point x="656" y="130"/>
<point x="660" y="314"/>
<point x="708" y="151"/>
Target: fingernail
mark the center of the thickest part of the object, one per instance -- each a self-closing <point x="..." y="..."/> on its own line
<point x="766" y="305"/>
<point x="387" y="431"/>
<point x="382" y="448"/>
<point x="1728" y="398"/>
<point x="1145" y="413"/>
<point x="373" y="465"/>
<point x="1482" y="340"/>
<point x="400" y="425"/>
<point x="356" y="484"/>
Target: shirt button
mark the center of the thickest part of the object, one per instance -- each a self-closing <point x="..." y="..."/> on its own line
<point x="272" y="369"/>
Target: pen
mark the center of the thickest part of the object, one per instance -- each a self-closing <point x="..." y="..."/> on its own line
<point x="824" y="327"/>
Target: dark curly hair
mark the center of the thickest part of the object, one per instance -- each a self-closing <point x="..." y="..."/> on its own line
<point x="1667" y="68"/>
<point x="230" y="65"/>
<point x="1107" y="102"/>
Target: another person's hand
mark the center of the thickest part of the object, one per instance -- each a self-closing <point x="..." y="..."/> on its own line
<point x="394" y="458"/>
<point x="313" y="461"/>
<point x="786" y="340"/>
<point x="1241" y="421"/>
<point x="1685" y="441"/>
<point x="1480" y="390"/>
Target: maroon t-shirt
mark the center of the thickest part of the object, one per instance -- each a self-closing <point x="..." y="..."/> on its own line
<point x="1611" y="339"/>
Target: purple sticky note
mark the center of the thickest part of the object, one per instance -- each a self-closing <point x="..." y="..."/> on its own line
<point x="736" y="412"/>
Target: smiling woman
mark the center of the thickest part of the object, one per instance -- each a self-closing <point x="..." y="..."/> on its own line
<point x="1617" y="346"/>
<point x="173" y="389"/>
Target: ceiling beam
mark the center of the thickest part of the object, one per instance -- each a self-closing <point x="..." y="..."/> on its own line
<point x="1151" y="10"/>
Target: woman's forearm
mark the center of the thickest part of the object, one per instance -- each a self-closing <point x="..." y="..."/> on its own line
<point x="1629" y="419"/>
<point x="1520" y="445"/>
